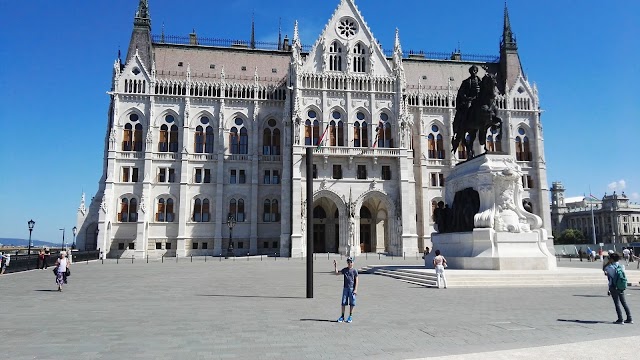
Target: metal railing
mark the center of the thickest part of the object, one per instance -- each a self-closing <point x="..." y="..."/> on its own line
<point x="30" y="262"/>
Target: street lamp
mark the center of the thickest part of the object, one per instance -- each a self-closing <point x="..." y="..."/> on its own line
<point x="231" y="222"/>
<point x="31" y="224"/>
<point x="62" y="239"/>
<point x="75" y="231"/>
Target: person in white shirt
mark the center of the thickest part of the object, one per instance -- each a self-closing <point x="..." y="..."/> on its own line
<point x="625" y="254"/>
<point x="62" y="264"/>
<point x="439" y="263"/>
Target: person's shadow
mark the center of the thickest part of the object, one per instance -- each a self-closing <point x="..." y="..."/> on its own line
<point x="319" y="320"/>
<point x="585" y="321"/>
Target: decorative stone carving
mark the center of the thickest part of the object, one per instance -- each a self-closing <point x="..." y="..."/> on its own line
<point x="82" y="209"/>
<point x="103" y="204"/>
<point x="143" y="204"/>
<point x="112" y="139"/>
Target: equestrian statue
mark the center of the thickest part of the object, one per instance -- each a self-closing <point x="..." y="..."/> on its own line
<point x="476" y="112"/>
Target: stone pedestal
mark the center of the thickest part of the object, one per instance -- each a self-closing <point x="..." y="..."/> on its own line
<point x="505" y="236"/>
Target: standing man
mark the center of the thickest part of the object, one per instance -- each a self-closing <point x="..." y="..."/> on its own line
<point x="625" y="255"/>
<point x="349" y="289"/>
<point x="617" y="294"/>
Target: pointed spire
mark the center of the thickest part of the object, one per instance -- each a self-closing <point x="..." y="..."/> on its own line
<point x="508" y="38"/>
<point x="396" y="44"/>
<point x="162" y="33"/>
<point x="279" y="33"/>
<point x="142" y="17"/>
<point x="296" y="35"/>
<point x="253" y="31"/>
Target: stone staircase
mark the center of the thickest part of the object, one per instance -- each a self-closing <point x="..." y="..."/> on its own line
<point x="563" y="277"/>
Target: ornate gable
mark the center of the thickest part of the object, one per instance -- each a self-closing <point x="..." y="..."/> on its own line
<point x="522" y="95"/>
<point x="347" y="45"/>
<point x="134" y="77"/>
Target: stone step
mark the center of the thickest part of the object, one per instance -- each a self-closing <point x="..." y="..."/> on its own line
<point x="498" y="279"/>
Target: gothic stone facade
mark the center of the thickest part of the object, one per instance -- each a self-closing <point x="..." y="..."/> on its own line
<point x="198" y="134"/>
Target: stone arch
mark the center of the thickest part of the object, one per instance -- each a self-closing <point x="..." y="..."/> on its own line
<point x="124" y="118"/>
<point x="378" y="234"/>
<point x="195" y="120"/>
<point x="330" y="232"/>
<point x="229" y="121"/>
<point x="158" y="119"/>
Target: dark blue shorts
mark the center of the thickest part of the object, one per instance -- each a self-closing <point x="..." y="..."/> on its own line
<point x="348" y="297"/>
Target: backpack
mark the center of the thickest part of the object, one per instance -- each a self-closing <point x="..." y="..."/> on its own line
<point x="620" y="280"/>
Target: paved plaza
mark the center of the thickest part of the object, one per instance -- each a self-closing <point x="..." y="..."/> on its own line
<point x="257" y="309"/>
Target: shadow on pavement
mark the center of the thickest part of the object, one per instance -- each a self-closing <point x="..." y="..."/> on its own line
<point x="53" y="290"/>
<point x="589" y="296"/>
<point x="319" y="320"/>
<point x="585" y="321"/>
<point x="255" y="296"/>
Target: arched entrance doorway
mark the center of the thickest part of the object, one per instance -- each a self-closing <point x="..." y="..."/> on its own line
<point x="326" y="226"/>
<point x="374" y="226"/>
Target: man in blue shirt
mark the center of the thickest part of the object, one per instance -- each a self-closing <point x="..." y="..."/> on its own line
<point x="350" y="287"/>
<point x="617" y="295"/>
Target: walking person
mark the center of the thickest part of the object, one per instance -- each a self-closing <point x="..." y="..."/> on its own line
<point x="615" y="272"/>
<point x="62" y="268"/>
<point x="439" y="263"/>
<point x="626" y="255"/>
<point x="349" y="289"/>
<point x="3" y="263"/>
<point x="41" y="259"/>
<point x="47" y="255"/>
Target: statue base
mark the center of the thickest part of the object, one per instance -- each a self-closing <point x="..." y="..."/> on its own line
<point x="488" y="199"/>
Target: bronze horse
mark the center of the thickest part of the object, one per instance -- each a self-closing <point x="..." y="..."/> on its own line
<point x="479" y="118"/>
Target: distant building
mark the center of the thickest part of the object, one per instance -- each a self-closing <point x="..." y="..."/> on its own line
<point x="203" y="130"/>
<point x="616" y="219"/>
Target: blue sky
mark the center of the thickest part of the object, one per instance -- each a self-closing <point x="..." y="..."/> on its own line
<point x="58" y="57"/>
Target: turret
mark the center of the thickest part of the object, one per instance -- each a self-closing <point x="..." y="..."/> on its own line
<point x="558" y="207"/>
<point x="141" y="35"/>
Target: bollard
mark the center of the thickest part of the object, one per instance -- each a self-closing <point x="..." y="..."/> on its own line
<point x="87" y="261"/>
<point x="260" y="257"/>
<point x="191" y="257"/>
<point x="327" y="256"/>
<point x="416" y="255"/>
<point x="205" y="258"/>
<point x="274" y="257"/>
<point x="117" y="260"/>
<point x="378" y="256"/>
<point x="147" y="258"/>
<point x="176" y="256"/>
<point x="366" y="256"/>
<point x="220" y="257"/>
<point x="247" y="256"/>
<point x="102" y="261"/>
<point x="163" y="258"/>
<point x="340" y="256"/>
<point x="315" y="256"/>
<point x="404" y="255"/>
<point x="132" y="259"/>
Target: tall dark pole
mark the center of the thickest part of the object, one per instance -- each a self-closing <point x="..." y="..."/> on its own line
<point x="62" y="249"/>
<point x="310" y="222"/>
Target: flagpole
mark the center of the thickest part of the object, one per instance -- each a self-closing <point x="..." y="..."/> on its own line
<point x="593" y="223"/>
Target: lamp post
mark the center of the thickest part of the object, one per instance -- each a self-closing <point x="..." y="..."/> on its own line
<point x="231" y="222"/>
<point x="75" y="231"/>
<point x="31" y="224"/>
<point x="62" y="239"/>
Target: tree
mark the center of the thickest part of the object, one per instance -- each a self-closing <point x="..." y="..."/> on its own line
<point x="570" y="236"/>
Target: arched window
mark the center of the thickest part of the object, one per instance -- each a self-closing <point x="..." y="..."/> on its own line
<point x="123" y="216"/>
<point x="435" y="143"/>
<point x="208" y="140"/>
<point x="319" y="213"/>
<point x="336" y="130"/>
<point x="164" y="212"/>
<point x="523" y="149"/>
<point x="198" y="142"/>
<point x="137" y="138"/>
<point x="308" y="130"/>
<point x="316" y="132"/>
<point x="201" y="212"/>
<point x="173" y="139"/>
<point x="462" y="150"/>
<point x="132" y="134"/>
<point x="127" y="138"/>
<point x="383" y="132"/>
<point x="271" y="212"/>
<point x="239" y="138"/>
<point x="236" y="209"/>
<point x="494" y="142"/>
<point x="359" y="58"/>
<point x="335" y="57"/>
<point x="271" y="139"/>
<point x="360" y="134"/>
<point x="163" y="144"/>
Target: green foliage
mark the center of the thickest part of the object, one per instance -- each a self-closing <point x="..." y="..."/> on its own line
<point x="570" y="236"/>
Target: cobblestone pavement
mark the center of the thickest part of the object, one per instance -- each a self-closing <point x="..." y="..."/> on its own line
<point x="257" y="309"/>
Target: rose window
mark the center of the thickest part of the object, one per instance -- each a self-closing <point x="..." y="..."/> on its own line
<point x="347" y="28"/>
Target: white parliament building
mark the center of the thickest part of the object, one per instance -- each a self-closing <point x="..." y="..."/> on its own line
<point x="206" y="133"/>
